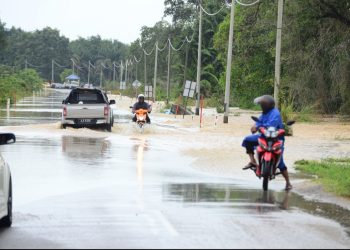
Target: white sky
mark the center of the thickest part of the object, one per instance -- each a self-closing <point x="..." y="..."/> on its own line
<point x="111" y="19"/>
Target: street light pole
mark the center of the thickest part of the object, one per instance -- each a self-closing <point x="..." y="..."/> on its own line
<point x="278" y="51"/>
<point x="101" y="76"/>
<point x="145" y="61"/>
<point x="126" y="72"/>
<point x="229" y="63"/>
<point x="114" y="74"/>
<point x="199" y="63"/>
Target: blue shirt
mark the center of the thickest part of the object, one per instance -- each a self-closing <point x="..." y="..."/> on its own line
<point x="271" y="119"/>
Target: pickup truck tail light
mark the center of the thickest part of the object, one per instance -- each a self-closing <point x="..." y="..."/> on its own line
<point x="106" y="111"/>
<point x="65" y="112"/>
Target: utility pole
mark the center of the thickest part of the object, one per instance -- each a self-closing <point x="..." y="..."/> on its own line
<point x="26" y="66"/>
<point x="199" y="63"/>
<point x="126" y="72"/>
<point x="89" y="73"/>
<point x="53" y="72"/>
<point x="114" y="74"/>
<point x="121" y="71"/>
<point x="278" y="51"/>
<point x="229" y="63"/>
<point x="155" y="74"/>
<point x="186" y="64"/>
<point x="168" y="79"/>
<point x="73" y="66"/>
<point x="145" y="61"/>
<point x="101" y="77"/>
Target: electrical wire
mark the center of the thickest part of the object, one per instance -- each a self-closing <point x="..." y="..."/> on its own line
<point x="212" y="14"/>
<point x="247" y="4"/>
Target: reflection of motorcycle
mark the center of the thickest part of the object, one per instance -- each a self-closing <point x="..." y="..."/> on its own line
<point x="270" y="152"/>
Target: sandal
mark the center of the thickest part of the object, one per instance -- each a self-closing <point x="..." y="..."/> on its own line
<point x="289" y="187"/>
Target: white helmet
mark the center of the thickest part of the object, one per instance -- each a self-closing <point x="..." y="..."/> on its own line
<point x="141" y="96"/>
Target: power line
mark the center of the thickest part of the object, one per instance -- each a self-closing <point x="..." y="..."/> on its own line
<point x="212" y="14"/>
<point x="247" y="4"/>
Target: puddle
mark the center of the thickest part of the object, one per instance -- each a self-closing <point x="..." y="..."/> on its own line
<point x="212" y="195"/>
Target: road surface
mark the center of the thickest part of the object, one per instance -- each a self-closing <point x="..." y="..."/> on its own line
<point x="91" y="189"/>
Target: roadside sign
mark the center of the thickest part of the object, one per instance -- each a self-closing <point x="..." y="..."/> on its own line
<point x="122" y="85"/>
<point x="190" y="89"/>
<point x="149" y="92"/>
<point x="136" y="84"/>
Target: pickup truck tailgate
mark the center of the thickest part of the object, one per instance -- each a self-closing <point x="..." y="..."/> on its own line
<point x="85" y="111"/>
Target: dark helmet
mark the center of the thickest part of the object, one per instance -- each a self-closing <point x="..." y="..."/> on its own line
<point x="266" y="102"/>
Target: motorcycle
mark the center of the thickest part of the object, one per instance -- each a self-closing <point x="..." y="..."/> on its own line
<point x="141" y="119"/>
<point x="270" y="152"/>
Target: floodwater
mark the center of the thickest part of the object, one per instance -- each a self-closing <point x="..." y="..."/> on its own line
<point x="138" y="191"/>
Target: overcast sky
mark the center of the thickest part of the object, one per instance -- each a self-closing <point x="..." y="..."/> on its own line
<point x="112" y="19"/>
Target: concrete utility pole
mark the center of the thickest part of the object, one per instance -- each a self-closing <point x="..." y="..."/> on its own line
<point x="101" y="76"/>
<point x="168" y="79"/>
<point x="89" y="73"/>
<point x="114" y="74"/>
<point x="186" y="64"/>
<point x="121" y="71"/>
<point x="155" y="74"/>
<point x="126" y="71"/>
<point x="53" y="72"/>
<point x="229" y="63"/>
<point x="278" y="51"/>
<point x="145" y="61"/>
<point x="73" y="67"/>
<point x="199" y="63"/>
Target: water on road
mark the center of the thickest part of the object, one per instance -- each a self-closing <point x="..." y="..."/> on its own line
<point x="138" y="191"/>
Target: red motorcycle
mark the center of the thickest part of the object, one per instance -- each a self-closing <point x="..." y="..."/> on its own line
<point x="270" y="152"/>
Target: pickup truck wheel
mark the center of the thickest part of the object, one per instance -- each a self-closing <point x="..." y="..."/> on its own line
<point x="63" y="126"/>
<point x="7" y="221"/>
<point x="109" y="127"/>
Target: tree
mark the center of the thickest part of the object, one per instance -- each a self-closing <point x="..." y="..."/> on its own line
<point x="2" y="36"/>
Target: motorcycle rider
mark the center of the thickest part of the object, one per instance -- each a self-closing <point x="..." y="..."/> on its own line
<point x="270" y="117"/>
<point x="141" y="104"/>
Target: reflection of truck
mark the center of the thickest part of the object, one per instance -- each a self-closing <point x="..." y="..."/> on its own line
<point x="88" y="108"/>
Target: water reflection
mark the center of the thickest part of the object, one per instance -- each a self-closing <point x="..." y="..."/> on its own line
<point x="84" y="149"/>
<point x="252" y="200"/>
<point x="43" y="107"/>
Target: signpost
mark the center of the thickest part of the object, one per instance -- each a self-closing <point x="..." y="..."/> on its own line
<point x="189" y="92"/>
<point x="123" y="86"/>
<point x="136" y="84"/>
<point x="149" y="92"/>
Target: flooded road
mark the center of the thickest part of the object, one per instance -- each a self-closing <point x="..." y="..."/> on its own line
<point x="139" y="191"/>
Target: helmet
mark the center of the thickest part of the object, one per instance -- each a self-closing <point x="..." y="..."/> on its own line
<point x="265" y="99"/>
<point x="141" y="96"/>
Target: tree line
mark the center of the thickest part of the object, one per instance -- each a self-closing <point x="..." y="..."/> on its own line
<point x="315" y="54"/>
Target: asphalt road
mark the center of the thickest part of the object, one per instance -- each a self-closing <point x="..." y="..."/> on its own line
<point x="117" y="191"/>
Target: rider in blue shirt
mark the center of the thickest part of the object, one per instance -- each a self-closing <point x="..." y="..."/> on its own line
<point x="270" y="117"/>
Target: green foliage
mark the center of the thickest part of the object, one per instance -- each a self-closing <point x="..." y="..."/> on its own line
<point x="334" y="174"/>
<point x="15" y="84"/>
<point x="65" y="74"/>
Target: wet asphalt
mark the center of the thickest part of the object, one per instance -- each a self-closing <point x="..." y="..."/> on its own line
<point x="128" y="191"/>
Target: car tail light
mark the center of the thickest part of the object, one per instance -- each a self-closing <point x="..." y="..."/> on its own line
<point x="65" y="112"/>
<point x="106" y="111"/>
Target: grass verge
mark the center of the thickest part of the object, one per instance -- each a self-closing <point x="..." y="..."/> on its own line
<point x="333" y="174"/>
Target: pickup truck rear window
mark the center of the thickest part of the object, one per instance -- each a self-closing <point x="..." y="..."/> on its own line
<point x="86" y="97"/>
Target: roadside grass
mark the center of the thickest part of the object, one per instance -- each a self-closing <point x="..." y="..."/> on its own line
<point x="333" y="174"/>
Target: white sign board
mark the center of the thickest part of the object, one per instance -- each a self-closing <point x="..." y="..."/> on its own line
<point x="190" y="89"/>
<point x="149" y="91"/>
<point x="136" y="84"/>
<point x="122" y="85"/>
